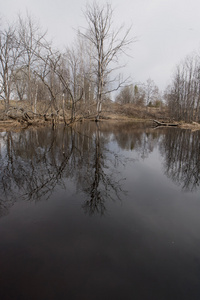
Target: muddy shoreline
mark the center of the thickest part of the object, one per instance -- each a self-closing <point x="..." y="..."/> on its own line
<point x="14" y="125"/>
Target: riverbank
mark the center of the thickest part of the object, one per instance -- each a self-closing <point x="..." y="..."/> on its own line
<point x="111" y="113"/>
<point x="193" y="126"/>
<point x="14" y="125"/>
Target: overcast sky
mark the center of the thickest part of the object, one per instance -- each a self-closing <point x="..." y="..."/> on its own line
<point x="166" y="30"/>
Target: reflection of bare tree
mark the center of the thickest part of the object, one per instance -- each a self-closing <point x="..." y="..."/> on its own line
<point x="34" y="162"/>
<point x="138" y="137"/>
<point x="100" y="184"/>
<point x="182" y="157"/>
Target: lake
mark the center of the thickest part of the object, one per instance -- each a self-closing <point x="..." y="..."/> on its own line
<point x="100" y="211"/>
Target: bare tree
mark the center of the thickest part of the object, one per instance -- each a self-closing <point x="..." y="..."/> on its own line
<point x="75" y="83"/>
<point x="85" y="51"/>
<point x="31" y="40"/>
<point x="108" y="44"/>
<point x="20" y="82"/>
<point x="59" y="73"/>
<point x="9" y="55"/>
<point x="46" y="71"/>
<point x="183" y="95"/>
<point x="151" y="91"/>
<point x="126" y="95"/>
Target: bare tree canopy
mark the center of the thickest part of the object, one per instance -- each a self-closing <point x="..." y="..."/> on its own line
<point x="108" y="44"/>
<point x="68" y="84"/>
<point x="183" y="95"/>
<point x="9" y="56"/>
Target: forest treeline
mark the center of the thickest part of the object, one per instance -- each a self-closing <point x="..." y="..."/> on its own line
<point x="183" y="95"/>
<point x="77" y="81"/>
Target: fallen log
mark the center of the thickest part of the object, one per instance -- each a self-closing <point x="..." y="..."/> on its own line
<point x="164" y="124"/>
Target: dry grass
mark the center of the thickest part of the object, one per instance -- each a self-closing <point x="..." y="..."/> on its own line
<point x="194" y="126"/>
<point x="130" y="111"/>
<point x="111" y="112"/>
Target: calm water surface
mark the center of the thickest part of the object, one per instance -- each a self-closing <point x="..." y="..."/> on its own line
<point x="100" y="212"/>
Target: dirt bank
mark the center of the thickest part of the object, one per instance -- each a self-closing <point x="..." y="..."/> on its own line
<point x="13" y="125"/>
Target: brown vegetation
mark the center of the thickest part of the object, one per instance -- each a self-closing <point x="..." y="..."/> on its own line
<point x="19" y="115"/>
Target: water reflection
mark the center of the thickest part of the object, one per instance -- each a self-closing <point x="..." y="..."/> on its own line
<point x="181" y="150"/>
<point x="34" y="162"/>
<point x="100" y="182"/>
<point x="139" y="137"/>
<point x="150" y="239"/>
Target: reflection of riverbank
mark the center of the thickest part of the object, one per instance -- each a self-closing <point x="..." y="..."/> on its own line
<point x="9" y="125"/>
<point x="193" y="126"/>
<point x="15" y="126"/>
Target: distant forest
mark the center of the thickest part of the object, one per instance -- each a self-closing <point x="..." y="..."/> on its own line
<point x="79" y="80"/>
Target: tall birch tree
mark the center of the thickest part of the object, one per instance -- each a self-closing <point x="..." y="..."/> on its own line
<point x="109" y="44"/>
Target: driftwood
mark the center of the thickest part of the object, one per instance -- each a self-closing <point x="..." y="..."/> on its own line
<point x="164" y="124"/>
<point x="19" y="114"/>
<point x="29" y="118"/>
